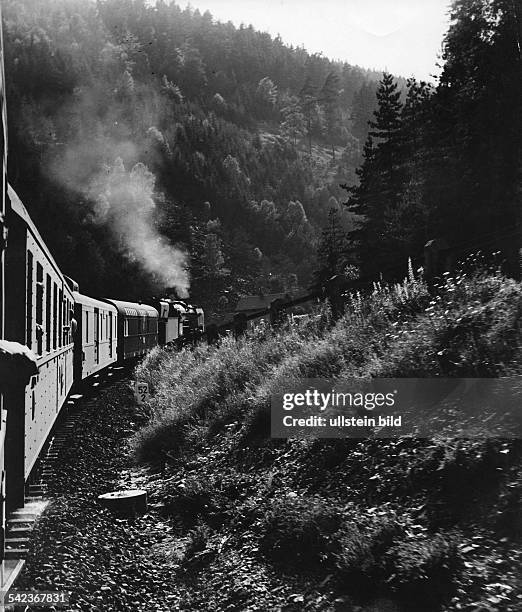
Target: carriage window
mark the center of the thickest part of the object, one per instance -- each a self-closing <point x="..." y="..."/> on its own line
<point x="39" y="307"/>
<point x="47" y="313"/>
<point x="70" y="315"/>
<point x="60" y="318"/>
<point x="64" y="318"/>
<point x="67" y="320"/>
<point x="86" y="326"/>
<point x="55" y="314"/>
<point x="29" y="302"/>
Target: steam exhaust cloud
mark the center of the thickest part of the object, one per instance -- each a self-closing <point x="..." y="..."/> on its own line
<point x="101" y="162"/>
<point x="125" y="201"/>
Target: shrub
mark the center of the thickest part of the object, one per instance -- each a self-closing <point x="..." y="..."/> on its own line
<point x="462" y="479"/>
<point x="188" y="499"/>
<point x="472" y="328"/>
<point x="197" y="540"/>
<point x="381" y="556"/>
<point x="210" y="408"/>
<point x="363" y="543"/>
<point x="209" y="384"/>
<point x="160" y="440"/>
<point x="425" y="569"/>
<point x="298" y="530"/>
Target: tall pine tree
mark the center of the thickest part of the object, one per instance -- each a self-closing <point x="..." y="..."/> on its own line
<point x="380" y="183"/>
<point x="478" y="130"/>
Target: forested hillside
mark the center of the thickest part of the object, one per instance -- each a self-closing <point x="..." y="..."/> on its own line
<point x="155" y="147"/>
<point x="445" y="163"/>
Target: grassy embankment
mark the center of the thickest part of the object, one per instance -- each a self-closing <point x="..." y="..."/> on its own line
<point x="410" y="523"/>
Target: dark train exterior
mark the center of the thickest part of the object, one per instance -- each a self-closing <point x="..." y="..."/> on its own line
<point x="179" y="321"/>
<point x="137" y="328"/>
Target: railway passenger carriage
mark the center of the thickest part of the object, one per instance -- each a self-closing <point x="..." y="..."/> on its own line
<point x="137" y="328"/>
<point x="38" y="312"/>
<point x="95" y="342"/>
<point x="3" y="245"/>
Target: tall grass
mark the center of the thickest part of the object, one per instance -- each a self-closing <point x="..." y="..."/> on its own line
<point x="471" y="327"/>
<point x="210" y="386"/>
<point x="374" y="516"/>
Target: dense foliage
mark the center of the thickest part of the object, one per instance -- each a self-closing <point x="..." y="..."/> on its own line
<point x="446" y="162"/>
<point x="403" y="523"/>
<point x="241" y="143"/>
<point x="228" y="148"/>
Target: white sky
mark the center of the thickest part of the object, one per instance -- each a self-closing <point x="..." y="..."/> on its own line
<point x="403" y="36"/>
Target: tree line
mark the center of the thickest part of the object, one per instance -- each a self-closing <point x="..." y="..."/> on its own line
<point x="442" y="162"/>
<point x="248" y="140"/>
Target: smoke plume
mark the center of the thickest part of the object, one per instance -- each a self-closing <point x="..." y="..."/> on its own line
<point x="125" y="201"/>
<point x="101" y="160"/>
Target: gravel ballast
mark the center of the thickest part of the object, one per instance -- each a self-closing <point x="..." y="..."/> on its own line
<point x="80" y="547"/>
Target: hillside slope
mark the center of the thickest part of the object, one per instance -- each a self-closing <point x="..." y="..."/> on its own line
<point x="177" y="105"/>
<point x="361" y="524"/>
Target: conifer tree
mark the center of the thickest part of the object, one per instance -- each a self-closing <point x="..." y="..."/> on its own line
<point x="380" y="182"/>
<point x="478" y="129"/>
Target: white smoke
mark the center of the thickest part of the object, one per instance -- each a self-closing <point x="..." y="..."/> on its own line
<point x="100" y="160"/>
<point x="125" y="201"/>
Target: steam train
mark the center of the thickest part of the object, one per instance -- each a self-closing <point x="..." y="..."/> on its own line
<point x="71" y="336"/>
<point x="52" y="338"/>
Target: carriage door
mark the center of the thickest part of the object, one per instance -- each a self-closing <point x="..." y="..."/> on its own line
<point x="96" y="335"/>
<point x="110" y="335"/>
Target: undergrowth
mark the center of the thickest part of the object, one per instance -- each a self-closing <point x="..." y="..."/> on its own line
<point x="407" y="518"/>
